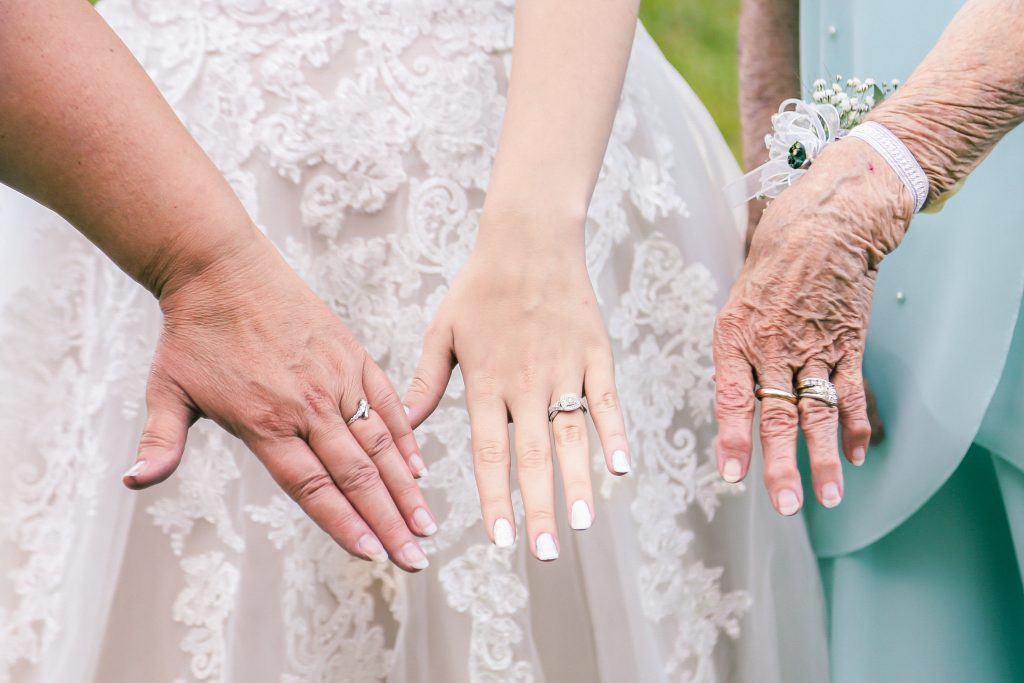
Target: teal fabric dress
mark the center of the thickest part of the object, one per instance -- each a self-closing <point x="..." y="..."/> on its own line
<point x="922" y="561"/>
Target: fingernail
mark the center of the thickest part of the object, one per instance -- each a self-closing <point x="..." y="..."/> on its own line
<point x="424" y="522"/>
<point x="413" y="556"/>
<point x="371" y="548"/>
<point x="135" y="470"/>
<point x="787" y="502"/>
<point x="419" y="468"/>
<point x="504" y="535"/>
<point x="580" y="518"/>
<point x="859" y="455"/>
<point x="620" y="462"/>
<point x="732" y="470"/>
<point x="408" y="410"/>
<point x="546" y="548"/>
<point x="830" y="495"/>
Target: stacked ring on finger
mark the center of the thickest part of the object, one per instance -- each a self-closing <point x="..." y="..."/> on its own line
<point x="566" y="403"/>
<point x="819" y="390"/>
<point x="362" y="412"/>
<point x="762" y="393"/>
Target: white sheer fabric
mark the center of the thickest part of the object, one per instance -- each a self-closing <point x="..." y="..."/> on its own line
<point x="360" y="135"/>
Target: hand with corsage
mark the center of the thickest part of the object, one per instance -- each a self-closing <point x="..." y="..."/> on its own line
<point x="792" y="333"/>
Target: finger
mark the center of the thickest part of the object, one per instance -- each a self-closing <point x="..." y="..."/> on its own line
<point x="820" y="424"/>
<point x="388" y="406"/>
<point x="605" y="411"/>
<point x="432" y="375"/>
<point x="734" y="412"/>
<point x="536" y="474"/>
<point x="356" y="475"/>
<point x="492" y="462"/>
<point x="570" y="432"/>
<point x="162" y="443"/>
<point x="853" y="410"/>
<point x="374" y="438"/>
<point x="778" y="440"/>
<point x="302" y="476"/>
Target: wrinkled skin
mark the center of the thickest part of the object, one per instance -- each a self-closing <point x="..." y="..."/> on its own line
<point x="523" y="323"/>
<point x="800" y="309"/>
<point x="249" y="327"/>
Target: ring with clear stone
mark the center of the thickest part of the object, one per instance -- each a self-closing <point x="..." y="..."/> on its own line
<point x="566" y="404"/>
<point x="819" y="390"/>
<point x="362" y="412"/>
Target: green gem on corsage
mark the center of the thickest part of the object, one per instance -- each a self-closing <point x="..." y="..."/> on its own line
<point x="797" y="156"/>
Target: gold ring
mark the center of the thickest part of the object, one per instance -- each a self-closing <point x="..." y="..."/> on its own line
<point x="775" y="393"/>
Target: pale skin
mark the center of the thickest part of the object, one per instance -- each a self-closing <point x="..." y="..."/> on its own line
<point x="522" y="320"/>
<point x="801" y="304"/>
<point x="244" y="341"/>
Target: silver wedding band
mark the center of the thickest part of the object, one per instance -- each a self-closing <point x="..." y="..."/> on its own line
<point x="362" y="412"/>
<point x="567" y="403"/>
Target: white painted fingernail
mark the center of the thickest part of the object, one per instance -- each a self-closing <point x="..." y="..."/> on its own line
<point x="371" y="548"/>
<point x="620" y="462"/>
<point x="546" y="548"/>
<point x="408" y="410"/>
<point x="416" y="464"/>
<point x="830" y="496"/>
<point x="787" y="502"/>
<point x="732" y="470"/>
<point x="413" y="556"/>
<point x="424" y="522"/>
<point x="858" y="456"/>
<point x="580" y="518"/>
<point x="135" y="470"/>
<point x="504" y="535"/>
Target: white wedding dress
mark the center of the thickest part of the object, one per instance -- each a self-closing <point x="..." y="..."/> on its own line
<point x="360" y="134"/>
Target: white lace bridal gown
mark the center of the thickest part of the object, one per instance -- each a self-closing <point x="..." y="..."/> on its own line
<point x="360" y="135"/>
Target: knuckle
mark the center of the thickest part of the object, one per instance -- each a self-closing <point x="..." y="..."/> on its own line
<point x="541" y="515"/>
<point x="491" y="452"/>
<point x="393" y="528"/>
<point x="152" y="440"/>
<point x="818" y="417"/>
<point x="533" y="457"/>
<point x="419" y="384"/>
<point x="859" y="429"/>
<point x="494" y="502"/>
<point x="378" y="443"/>
<point x="735" y="441"/>
<point x="779" y="472"/>
<point x="777" y="422"/>
<point x="605" y="402"/>
<point x="311" y="487"/>
<point x="385" y="401"/>
<point x="732" y="399"/>
<point x="359" y="477"/>
<point x="569" y="435"/>
<point x="317" y="401"/>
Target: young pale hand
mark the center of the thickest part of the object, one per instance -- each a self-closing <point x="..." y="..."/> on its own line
<point x="800" y="309"/>
<point x="248" y="345"/>
<point x="524" y="325"/>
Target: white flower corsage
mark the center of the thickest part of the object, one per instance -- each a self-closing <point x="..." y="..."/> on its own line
<point x="801" y="130"/>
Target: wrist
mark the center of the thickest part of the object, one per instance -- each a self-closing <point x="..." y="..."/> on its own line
<point x="530" y="229"/>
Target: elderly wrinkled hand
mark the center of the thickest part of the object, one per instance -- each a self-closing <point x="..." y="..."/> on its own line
<point x="799" y="311"/>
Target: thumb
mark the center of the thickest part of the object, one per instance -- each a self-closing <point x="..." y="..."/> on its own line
<point x="432" y="375"/>
<point x="163" y="438"/>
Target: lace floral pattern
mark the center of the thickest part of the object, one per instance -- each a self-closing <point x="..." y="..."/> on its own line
<point x="360" y="135"/>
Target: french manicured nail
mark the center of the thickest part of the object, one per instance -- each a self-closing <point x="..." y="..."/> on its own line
<point x="371" y="548"/>
<point x="580" y="517"/>
<point x="504" y="536"/>
<point x="830" y="496"/>
<point x="424" y="522"/>
<point x="419" y="468"/>
<point x="408" y="410"/>
<point x="135" y="470"/>
<point x="546" y="548"/>
<point x="732" y="470"/>
<point x="413" y="556"/>
<point x="858" y="456"/>
<point x="787" y="502"/>
<point x="620" y="462"/>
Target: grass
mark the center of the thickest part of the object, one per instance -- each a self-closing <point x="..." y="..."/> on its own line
<point x="699" y="38"/>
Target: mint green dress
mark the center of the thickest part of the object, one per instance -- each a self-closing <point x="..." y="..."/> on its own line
<point x="922" y="561"/>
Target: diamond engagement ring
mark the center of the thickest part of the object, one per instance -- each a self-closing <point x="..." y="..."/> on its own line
<point x="819" y="390"/>
<point x="362" y="412"/>
<point x="566" y="403"/>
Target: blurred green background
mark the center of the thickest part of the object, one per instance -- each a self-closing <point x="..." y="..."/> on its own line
<point x="699" y="38"/>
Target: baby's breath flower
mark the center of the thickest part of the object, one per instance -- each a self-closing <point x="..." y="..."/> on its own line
<point x="820" y="84"/>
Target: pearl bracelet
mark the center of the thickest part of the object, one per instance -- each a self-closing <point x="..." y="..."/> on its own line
<point x="897" y="156"/>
